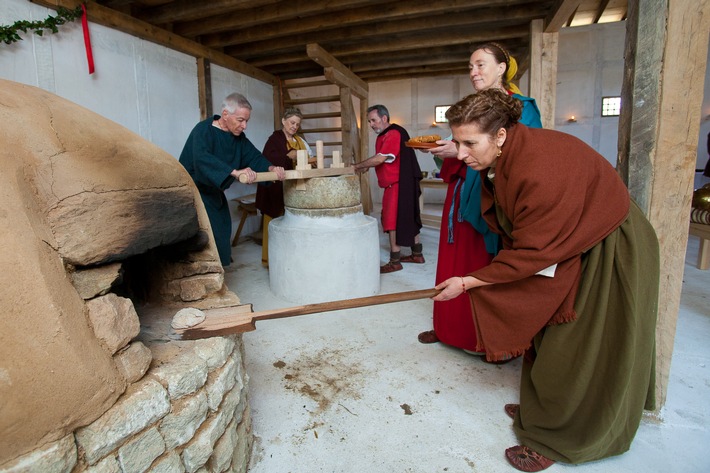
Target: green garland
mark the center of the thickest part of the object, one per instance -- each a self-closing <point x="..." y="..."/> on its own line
<point x="9" y="34"/>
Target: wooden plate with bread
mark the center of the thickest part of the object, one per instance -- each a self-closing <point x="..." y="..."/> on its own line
<point x="423" y="142"/>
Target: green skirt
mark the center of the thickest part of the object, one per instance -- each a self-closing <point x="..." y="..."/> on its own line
<point x="586" y="383"/>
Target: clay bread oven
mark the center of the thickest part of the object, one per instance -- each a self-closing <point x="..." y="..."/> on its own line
<point x="81" y="196"/>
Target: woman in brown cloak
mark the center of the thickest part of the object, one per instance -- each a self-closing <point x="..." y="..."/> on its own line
<point x="575" y="287"/>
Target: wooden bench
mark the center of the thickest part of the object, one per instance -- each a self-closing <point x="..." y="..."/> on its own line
<point x="246" y="204"/>
<point x="703" y="232"/>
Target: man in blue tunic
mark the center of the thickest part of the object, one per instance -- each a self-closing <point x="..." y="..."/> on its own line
<point x="216" y="153"/>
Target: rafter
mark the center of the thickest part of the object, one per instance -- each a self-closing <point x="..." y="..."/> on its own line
<point x="560" y="14"/>
<point x="294" y="10"/>
<point x="358" y="23"/>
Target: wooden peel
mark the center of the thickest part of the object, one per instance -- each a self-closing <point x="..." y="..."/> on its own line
<point x="299" y="174"/>
<point x="240" y="319"/>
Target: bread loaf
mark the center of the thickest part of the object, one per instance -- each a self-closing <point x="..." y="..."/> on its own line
<point x="426" y="139"/>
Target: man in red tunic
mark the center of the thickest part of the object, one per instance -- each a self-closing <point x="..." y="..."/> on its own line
<point x="398" y="173"/>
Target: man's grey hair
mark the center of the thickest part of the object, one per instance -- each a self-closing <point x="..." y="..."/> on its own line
<point x="381" y="111"/>
<point x="234" y="101"/>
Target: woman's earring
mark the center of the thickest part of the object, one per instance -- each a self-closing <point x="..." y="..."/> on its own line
<point x="500" y="151"/>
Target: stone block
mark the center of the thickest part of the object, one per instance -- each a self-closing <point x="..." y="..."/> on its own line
<point x="170" y="463"/>
<point x="199" y="450"/>
<point x="219" y="382"/>
<point x="186" y="416"/>
<point x="94" y="227"/>
<point x="142" y="405"/>
<point x="224" y="450"/>
<point x="96" y="281"/>
<point x="197" y="287"/>
<point x="107" y="465"/>
<point x="138" y="454"/>
<point x="235" y="401"/>
<point x="56" y="457"/>
<point x="182" y="375"/>
<point x="133" y="361"/>
<point x="114" y="320"/>
<point x="191" y="268"/>
<point x="214" y="350"/>
<point x="243" y="448"/>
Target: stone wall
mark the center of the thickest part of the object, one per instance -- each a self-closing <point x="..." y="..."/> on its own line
<point x="187" y="414"/>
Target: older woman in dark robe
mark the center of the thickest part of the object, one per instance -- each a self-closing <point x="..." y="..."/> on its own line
<point x="575" y="287"/>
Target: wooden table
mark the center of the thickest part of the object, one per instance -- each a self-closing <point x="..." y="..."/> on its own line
<point x="429" y="219"/>
<point x="703" y="232"/>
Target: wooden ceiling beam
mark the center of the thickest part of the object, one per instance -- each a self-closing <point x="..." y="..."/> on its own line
<point x="184" y="10"/>
<point x="283" y="63"/>
<point x="393" y="20"/>
<point x="411" y="42"/>
<point x="456" y="60"/>
<point x="600" y="11"/>
<point x="342" y="80"/>
<point x="560" y="14"/>
<point x="293" y="10"/>
<point x="345" y="78"/>
<point x="412" y="73"/>
<point x="140" y="29"/>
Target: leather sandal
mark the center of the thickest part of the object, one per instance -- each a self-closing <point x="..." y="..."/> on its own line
<point x="391" y="267"/>
<point x="525" y="459"/>
<point x="428" y="337"/>
<point x="511" y="410"/>
<point x="419" y="259"/>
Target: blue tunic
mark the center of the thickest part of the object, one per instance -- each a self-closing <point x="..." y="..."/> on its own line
<point x="209" y="156"/>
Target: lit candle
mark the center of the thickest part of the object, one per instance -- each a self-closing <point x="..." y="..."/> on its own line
<point x="319" y="154"/>
<point x="302" y="159"/>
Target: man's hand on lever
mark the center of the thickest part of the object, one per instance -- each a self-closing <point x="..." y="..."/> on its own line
<point x="280" y="172"/>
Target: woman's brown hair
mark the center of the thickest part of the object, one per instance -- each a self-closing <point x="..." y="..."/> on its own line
<point x="490" y="109"/>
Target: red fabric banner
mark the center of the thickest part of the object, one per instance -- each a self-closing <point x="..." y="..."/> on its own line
<point x="87" y="39"/>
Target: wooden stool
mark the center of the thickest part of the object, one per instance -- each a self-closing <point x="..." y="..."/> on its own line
<point x="247" y="206"/>
<point x="703" y="232"/>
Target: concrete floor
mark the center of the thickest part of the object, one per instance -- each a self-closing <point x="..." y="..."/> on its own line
<point x="354" y="391"/>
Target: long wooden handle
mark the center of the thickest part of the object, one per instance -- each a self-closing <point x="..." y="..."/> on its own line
<point x="299" y="174"/>
<point x="240" y="319"/>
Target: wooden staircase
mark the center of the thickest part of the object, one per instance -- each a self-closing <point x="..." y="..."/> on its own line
<point x="326" y="107"/>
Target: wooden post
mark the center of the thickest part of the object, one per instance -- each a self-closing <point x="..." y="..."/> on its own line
<point x="204" y="88"/>
<point x="346" y="117"/>
<point x="666" y="54"/>
<point x="364" y="154"/>
<point x="543" y="71"/>
<point x="278" y="105"/>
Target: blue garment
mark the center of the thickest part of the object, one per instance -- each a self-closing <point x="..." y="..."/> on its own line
<point x="209" y="156"/>
<point x="471" y="192"/>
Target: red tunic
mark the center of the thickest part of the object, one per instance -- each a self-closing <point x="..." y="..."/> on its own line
<point x="453" y="320"/>
<point x="388" y="176"/>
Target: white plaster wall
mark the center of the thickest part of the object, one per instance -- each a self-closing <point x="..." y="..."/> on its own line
<point x="590" y="66"/>
<point x="149" y="89"/>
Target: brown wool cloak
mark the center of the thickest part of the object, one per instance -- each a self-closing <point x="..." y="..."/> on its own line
<point x="561" y="198"/>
